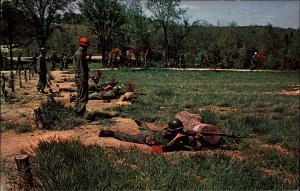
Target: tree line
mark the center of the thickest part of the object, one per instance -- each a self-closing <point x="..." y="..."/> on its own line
<point x="167" y="33"/>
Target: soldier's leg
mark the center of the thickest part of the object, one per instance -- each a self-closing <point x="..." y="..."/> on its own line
<point x="138" y="138"/>
<point x="82" y="98"/>
<point x="40" y="83"/>
<point x="53" y="66"/>
<point x="96" y="96"/>
<point x="43" y="79"/>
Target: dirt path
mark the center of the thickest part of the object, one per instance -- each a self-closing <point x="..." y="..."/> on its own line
<point x="20" y="111"/>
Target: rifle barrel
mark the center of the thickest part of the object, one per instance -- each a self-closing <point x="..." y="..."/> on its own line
<point x="209" y="133"/>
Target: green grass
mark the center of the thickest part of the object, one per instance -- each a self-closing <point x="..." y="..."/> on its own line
<point x="23" y="128"/>
<point x="81" y="167"/>
<point x="247" y="103"/>
<point x="58" y="117"/>
<point x="18" y="128"/>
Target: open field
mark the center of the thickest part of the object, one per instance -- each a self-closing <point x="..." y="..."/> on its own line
<point x="261" y="105"/>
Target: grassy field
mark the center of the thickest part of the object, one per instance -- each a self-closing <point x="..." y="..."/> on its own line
<point x="248" y="103"/>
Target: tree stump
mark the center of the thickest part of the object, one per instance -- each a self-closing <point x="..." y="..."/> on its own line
<point x="38" y="118"/>
<point x="51" y="96"/>
<point x="24" y="171"/>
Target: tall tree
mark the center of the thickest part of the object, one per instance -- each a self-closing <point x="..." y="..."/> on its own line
<point x="164" y="11"/>
<point x="42" y="13"/>
<point x="137" y="25"/>
<point x="180" y="31"/>
<point x="13" y="25"/>
<point x="104" y="17"/>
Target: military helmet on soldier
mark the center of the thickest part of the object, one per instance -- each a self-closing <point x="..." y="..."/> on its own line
<point x="95" y="79"/>
<point x="175" y="125"/>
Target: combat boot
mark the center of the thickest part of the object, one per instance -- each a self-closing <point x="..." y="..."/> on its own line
<point x="106" y="133"/>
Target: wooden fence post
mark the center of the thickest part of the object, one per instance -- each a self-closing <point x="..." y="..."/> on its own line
<point x="38" y="118"/>
<point x="24" y="171"/>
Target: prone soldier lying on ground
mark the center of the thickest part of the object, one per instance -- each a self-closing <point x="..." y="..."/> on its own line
<point x="108" y="90"/>
<point x="170" y="138"/>
<point x="185" y="132"/>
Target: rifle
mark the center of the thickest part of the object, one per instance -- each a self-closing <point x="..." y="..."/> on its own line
<point x="211" y="135"/>
<point x="207" y="133"/>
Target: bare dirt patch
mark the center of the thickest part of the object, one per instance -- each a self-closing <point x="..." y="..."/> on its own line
<point x="278" y="148"/>
<point x="292" y="90"/>
<point x="284" y="176"/>
<point x="22" y="109"/>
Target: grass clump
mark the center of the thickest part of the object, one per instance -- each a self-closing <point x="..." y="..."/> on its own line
<point x="58" y="117"/>
<point x="18" y="128"/>
<point x="24" y="128"/>
<point x="7" y="125"/>
<point x="130" y="169"/>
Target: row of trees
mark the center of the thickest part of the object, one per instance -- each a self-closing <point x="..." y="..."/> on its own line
<point x="167" y="32"/>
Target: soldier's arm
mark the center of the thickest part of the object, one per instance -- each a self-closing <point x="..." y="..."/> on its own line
<point x="38" y="65"/>
<point x="174" y="141"/>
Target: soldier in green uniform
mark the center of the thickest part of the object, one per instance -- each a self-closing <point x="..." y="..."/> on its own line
<point x="42" y="71"/>
<point x="53" y="58"/>
<point x="94" y="84"/>
<point x="33" y="69"/>
<point x="81" y="76"/>
<point x="170" y="138"/>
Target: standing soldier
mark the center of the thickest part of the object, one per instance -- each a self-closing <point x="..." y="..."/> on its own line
<point x="62" y="54"/>
<point x="254" y="61"/>
<point x="65" y="61"/>
<point x="19" y="62"/>
<point x="81" y="76"/>
<point x="33" y="69"/>
<point x="42" y="71"/>
<point x="53" y="58"/>
<point x="146" y="58"/>
<point x="5" y="61"/>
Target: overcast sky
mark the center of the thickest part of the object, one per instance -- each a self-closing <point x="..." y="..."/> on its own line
<point x="283" y="14"/>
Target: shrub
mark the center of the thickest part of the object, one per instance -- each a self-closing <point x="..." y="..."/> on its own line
<point x="24" y="128"/>
<point x="58" y="117"/>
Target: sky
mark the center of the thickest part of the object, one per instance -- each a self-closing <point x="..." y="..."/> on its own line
<point x="278" y="13"/>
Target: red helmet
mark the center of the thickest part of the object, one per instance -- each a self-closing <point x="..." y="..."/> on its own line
<point x="84" y="42"/>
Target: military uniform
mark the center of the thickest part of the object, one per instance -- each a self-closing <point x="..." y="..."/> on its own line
<point x="33" y="68"/>
<point x="94" y="87"/>
<point x="53" y="59"/>
<point x="81" y="79"/>
<point x="42" y="71"/>
<point x="150" y="137"/>
<point x="110" y="94"/>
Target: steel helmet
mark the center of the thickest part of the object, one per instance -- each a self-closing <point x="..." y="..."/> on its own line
<point x="84" y="42"/>
<point x="175" y="125"/>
